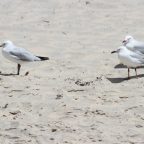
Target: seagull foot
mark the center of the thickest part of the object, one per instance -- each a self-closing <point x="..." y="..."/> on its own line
<point x="128" y="78"/>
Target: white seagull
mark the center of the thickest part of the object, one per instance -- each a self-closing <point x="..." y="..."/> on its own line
<point x="19" y="55"/>
<point x="133" y="44"/>
<point x="130" y="58"/>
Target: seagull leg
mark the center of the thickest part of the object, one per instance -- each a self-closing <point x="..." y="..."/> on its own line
<point x="136" y="72"/>
<point x="128" y="73"/>
<point x="18" y="69"/>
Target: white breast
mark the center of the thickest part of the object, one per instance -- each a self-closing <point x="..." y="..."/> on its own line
<point x="125" y="57"/>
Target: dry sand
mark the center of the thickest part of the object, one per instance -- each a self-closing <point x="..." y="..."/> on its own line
<point x="77" y="97"/>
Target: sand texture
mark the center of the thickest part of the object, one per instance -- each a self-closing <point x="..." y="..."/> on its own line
<point x="79" y="96"/>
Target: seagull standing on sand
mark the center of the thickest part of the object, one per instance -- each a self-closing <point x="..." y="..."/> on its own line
<point x="130" y="58"/>
<point x="19" y="55"/>
<point x="133" y="44"/>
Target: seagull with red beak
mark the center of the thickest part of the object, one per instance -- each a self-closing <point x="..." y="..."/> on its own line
<point x="19" y="55"/>
<point x="130" y="58"/>
<point x="133" y="45"/>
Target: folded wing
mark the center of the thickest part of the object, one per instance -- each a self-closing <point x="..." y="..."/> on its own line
<point x="24" y="55"/>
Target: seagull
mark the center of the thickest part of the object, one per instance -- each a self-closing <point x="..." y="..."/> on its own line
<point x="19" y="55"/>
<point x="133" y="44"/>
<point x="130" y="58"/>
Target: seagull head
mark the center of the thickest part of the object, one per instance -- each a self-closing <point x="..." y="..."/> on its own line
<point x="119" y="49"/>
<point x="127" y="39"/>
<point x="6" y="43"/>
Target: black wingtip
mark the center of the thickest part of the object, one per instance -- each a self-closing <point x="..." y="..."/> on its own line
<point x="43" y="58"/>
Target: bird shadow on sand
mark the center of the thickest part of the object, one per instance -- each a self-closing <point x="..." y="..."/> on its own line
<point x="121" y="66"/>
<point x="7" y="74"/>
<point x="119" y="80"/>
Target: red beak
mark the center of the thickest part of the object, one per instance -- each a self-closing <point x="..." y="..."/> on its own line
<point x="123" y="41"/>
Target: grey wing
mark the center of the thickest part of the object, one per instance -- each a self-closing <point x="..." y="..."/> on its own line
<point x="22" y="54"/>
<point x="140" y="57"/>
<point x="139" y="47"/>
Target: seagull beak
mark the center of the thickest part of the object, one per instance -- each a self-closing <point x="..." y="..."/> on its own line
<point x="124" y="41"/>
<point x="113" y="52"/>
<point x="2" y="45"/>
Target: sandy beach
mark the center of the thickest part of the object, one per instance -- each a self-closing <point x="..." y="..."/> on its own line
<point x="79" y="96"/>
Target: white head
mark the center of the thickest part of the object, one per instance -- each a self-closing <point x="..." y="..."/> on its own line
<point x="127" y="39"/>
<point x="6" y="43"/>
<point x="119" y="49"/>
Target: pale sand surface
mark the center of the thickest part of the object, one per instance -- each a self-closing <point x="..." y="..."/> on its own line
<point x="77" y="97"/>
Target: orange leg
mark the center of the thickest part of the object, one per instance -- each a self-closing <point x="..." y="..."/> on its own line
<point x="18" y="69"/>
<point x="128" y="73"/>
<point x="136" y="72"/>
